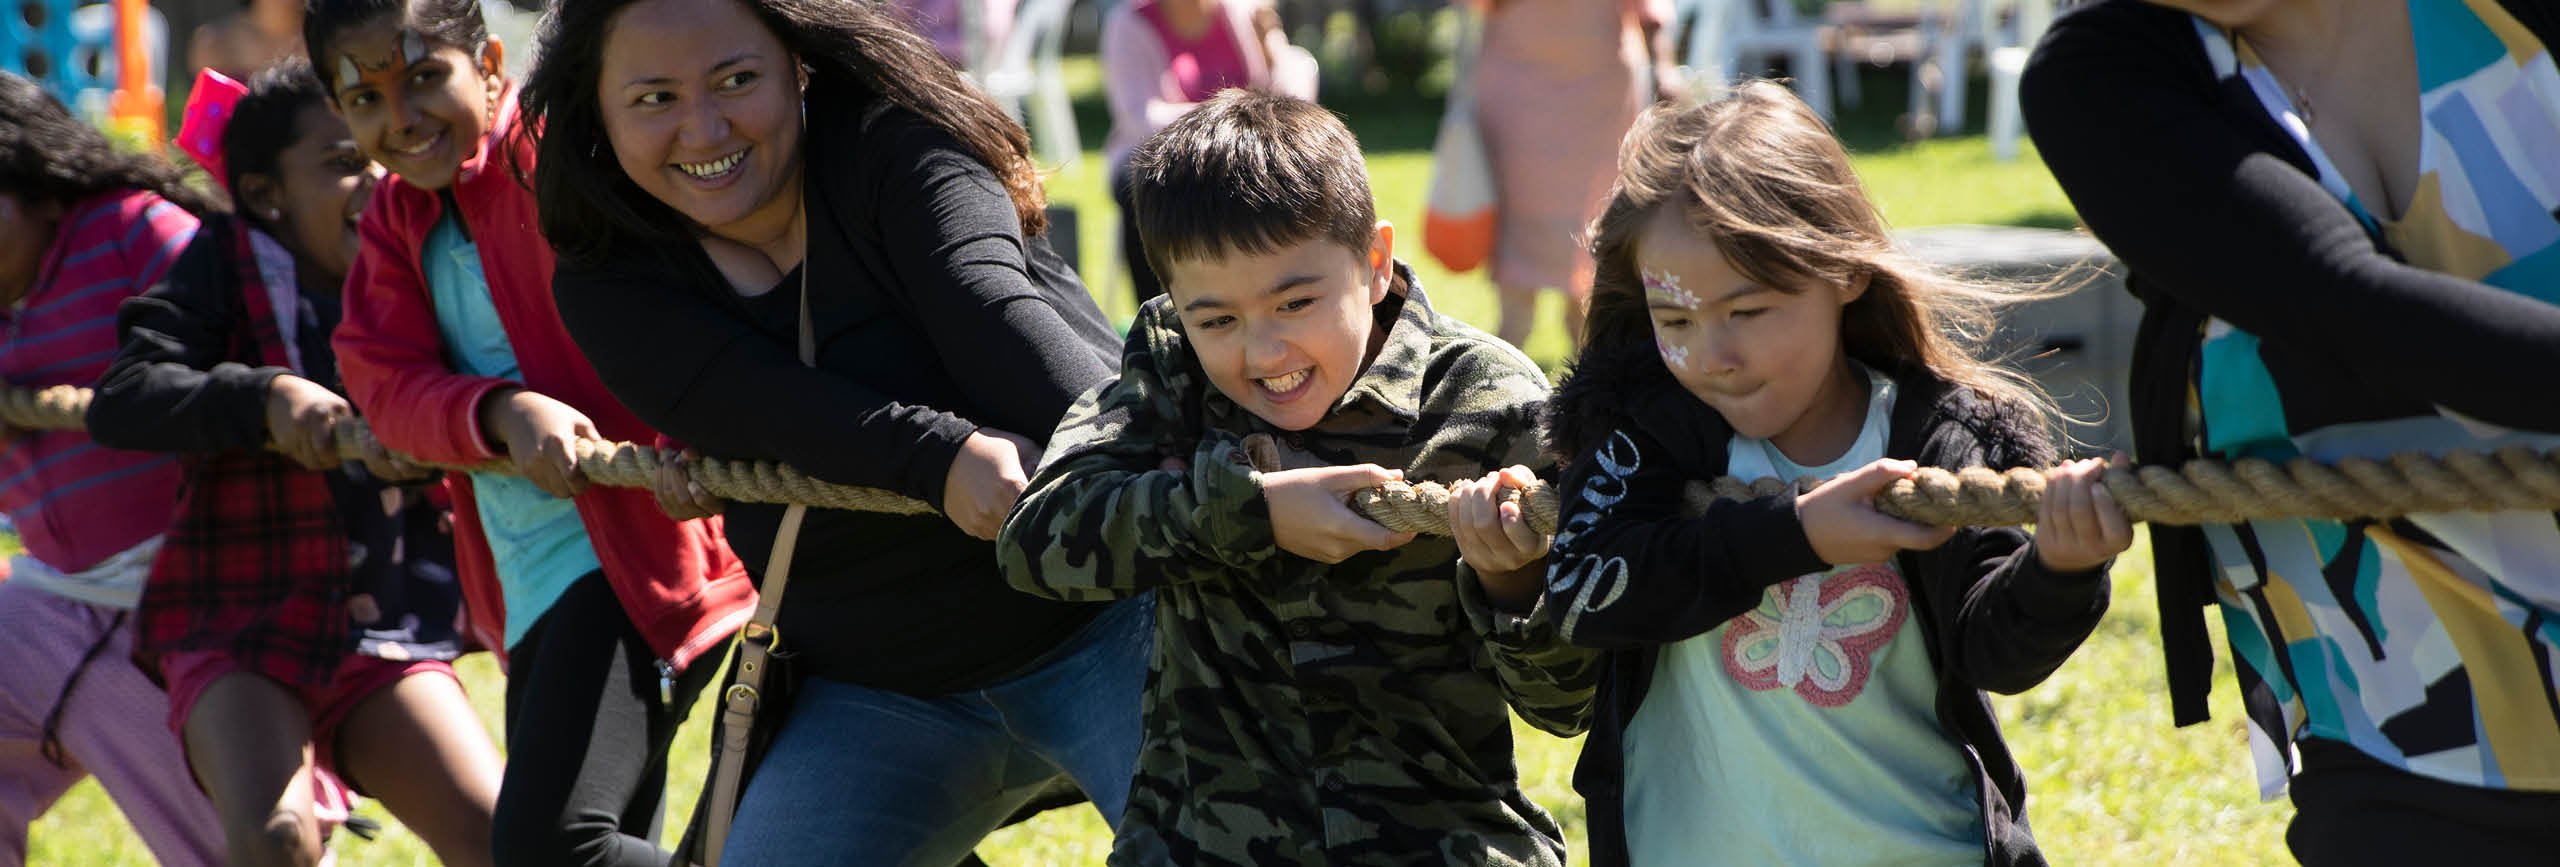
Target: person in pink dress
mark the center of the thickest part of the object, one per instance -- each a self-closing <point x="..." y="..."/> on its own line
<point x="1558" y="83"/>
<point x="1161" y="57"/>
<point x="939" y="20"/>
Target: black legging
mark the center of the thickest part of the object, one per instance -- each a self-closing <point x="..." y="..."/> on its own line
<point x="587" y="737"/>
<point x="1142" y="279"/>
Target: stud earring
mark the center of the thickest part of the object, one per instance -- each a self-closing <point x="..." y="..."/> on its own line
<point x="275" y="213"/>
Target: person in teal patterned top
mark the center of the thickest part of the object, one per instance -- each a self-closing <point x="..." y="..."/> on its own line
<point x="2344" y="218"/>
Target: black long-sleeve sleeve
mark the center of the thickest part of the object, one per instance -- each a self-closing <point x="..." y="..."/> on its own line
<point x="2014" y="621"/>
<point x="903" y="228"/>
<point x="971" y="277"/>
<point x="1630" y="570"/>
<point x="697" y="372"/>
<point x="2185" y="191"/>
<point x="170" y="387"/>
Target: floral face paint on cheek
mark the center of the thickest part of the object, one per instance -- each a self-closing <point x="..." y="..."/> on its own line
<point x="1673" y="354"/>
<point x="1664" y="288"/>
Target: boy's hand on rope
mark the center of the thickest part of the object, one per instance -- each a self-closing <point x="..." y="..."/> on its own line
<point x="1841" y="520"/>
<point x="986" y="478"/>
<point x="1494" y="537"/>
<point x="541" y="436"/>
<point x="2078" y="524"/>
<point x="679" y="495"/>
<point x="1311" y="512"/>
<point x="302" y="418"/>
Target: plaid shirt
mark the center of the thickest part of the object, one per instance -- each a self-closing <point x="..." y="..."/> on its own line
<point x="1299" y="713"/>
<point x="256" y="564"/>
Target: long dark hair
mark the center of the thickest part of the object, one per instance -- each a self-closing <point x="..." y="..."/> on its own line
<point x="46" y="154"/>
<point x="851" y="47"/>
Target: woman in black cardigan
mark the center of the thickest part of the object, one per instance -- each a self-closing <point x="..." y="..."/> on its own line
<point x="704" y="163"/>
<point x="2325" y="208"/>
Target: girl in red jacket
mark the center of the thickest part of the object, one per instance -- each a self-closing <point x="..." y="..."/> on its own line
<point x="452" y="346"/>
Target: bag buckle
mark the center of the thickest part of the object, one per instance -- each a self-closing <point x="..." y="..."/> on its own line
<point x="766" y="634"/>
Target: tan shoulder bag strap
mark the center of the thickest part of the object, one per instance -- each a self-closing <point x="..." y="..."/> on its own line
<point x="756" y="643"/>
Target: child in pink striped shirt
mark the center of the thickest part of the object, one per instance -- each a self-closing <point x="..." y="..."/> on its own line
<point x="82" y="227"/>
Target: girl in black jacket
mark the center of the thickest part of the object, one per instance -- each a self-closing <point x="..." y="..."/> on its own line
<point x="1797" y="678"/>
<point x="303" y="609"/>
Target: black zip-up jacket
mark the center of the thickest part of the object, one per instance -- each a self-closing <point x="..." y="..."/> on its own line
<point x="1631" y="574"/>
<point x="934" y="315"/>
<point x="2216" y="212"/>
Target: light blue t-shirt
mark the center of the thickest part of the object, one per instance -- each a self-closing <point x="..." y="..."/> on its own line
<point x="536" y="539"/>
<point x="1805" y="731"/>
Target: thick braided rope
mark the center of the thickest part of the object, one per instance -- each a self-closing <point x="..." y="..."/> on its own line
<point x="2198" y="492"/>
<point x="613" y="464"/>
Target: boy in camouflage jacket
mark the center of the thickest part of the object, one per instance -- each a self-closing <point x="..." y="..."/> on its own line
<point x="1324" y="691"/>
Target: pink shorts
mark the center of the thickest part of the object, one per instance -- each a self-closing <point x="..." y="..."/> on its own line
<point x="187" y="673"/>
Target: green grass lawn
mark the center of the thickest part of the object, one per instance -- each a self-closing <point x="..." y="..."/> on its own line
<point x="2110" y="781"/>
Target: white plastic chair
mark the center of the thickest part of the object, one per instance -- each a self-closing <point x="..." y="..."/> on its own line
<point x="1950" y="35"/>
<point x="1730" y="37"/>
<point x="1025" y="69"/>
<point x="2008" y="62"/>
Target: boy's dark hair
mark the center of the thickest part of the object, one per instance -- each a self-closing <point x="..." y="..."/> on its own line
<point x="266" y="120"/>
<point x="47" y="154"/>
<point x="1249" y="172"/>
<point x="449" y="22"/>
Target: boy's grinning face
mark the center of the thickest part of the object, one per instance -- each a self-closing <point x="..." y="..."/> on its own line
<point x="1284" y="334"/>
<point x="1768" y="361"/>
<point x="417" y="106"/>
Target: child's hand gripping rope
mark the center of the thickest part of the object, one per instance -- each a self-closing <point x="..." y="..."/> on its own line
<point x="1494" y="537"/>
<point x="302" y="420"/>
<point x="1841" y="520"/>
<point x="1311" y="514"/>
<point x="541" y="435"/>
<point x="2078" y="524"/>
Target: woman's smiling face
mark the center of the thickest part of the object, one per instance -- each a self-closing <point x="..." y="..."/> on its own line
<point x="701" y="103"/>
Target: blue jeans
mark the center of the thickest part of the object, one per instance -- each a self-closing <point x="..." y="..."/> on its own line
<point x="866" y="776"/>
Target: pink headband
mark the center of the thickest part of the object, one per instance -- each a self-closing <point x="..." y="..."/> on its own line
<point x="207" y="114"/>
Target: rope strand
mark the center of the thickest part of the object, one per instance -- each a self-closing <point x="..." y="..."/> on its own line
<point x="2198" y="492"/>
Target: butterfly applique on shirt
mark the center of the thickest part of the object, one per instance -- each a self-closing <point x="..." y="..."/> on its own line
<point x="1817" y="634"/>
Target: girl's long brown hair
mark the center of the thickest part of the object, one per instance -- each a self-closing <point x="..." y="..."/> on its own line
<point x="1759" y="174"/>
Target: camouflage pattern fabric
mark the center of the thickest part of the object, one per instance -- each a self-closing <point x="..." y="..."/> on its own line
<point x="1298" y="713"/>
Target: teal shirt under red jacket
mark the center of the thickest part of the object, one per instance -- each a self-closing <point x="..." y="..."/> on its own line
<point x="676" y="580"/>
<point x="1629" y="574"/>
